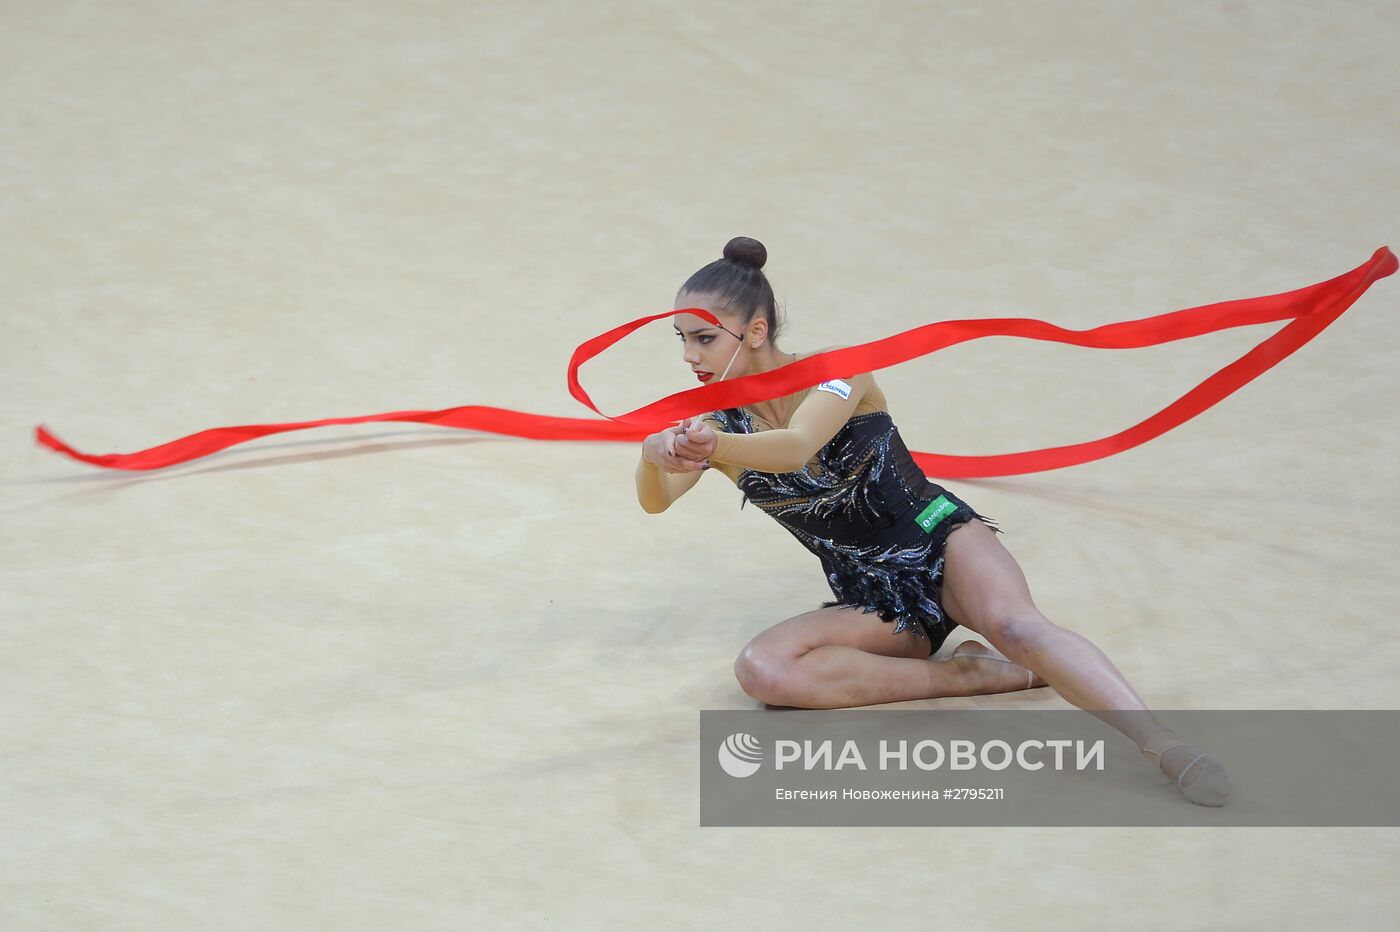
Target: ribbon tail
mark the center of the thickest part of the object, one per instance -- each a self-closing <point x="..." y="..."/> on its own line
<point x="468" y="417"/>
<point x="1331" y="300"/>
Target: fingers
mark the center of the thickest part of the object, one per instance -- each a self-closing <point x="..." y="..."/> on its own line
<point x="683" y="450"/>
<point x="694" y="451"/>
<point x="681" y="455"/>
<point x="690" y="449"/>
<point x="695" y="444"/>
<point x="680" y="464"/>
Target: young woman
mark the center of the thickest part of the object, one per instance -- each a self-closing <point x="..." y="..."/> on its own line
<point x="907" y="559"/>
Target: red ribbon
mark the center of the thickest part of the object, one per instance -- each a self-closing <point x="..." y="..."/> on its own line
<point x="1309" y="310"/>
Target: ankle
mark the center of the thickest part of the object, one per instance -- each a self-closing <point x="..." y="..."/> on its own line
<point x="1160" y="742"/>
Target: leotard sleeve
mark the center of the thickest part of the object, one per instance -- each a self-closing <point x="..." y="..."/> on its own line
<point x="816" y="420"/>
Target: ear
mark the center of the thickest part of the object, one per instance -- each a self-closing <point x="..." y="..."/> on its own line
<point x="758" y="331"/>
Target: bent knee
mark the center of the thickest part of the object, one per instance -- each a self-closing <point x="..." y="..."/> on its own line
<point x="762" y="673"/>
<point x="1018" y="631"/>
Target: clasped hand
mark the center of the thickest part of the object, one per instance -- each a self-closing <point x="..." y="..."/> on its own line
<point x="684" y="448"/>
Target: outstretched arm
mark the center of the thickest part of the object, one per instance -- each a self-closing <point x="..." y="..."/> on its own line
<point x="822" y="413"/>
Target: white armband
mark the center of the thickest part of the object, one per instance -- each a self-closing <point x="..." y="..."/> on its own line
<point x="836" y="387"/>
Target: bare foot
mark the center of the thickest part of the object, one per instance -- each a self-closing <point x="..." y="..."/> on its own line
<point x="990" y="672"/>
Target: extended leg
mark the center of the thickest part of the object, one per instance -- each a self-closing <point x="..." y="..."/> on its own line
<point x="984" y="590"/>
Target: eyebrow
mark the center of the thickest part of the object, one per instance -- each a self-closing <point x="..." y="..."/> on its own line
<point x="691" y="332"/>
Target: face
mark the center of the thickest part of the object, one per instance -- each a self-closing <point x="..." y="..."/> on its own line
<point x="707" y="349"/>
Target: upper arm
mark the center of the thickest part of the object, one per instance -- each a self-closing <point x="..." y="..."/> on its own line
<point x="824" y="411"/>
<point x="821" y="414"/>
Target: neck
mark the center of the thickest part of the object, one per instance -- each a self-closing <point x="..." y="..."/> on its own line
<point x="775" y="411"/>
<point x="769" y="359"/>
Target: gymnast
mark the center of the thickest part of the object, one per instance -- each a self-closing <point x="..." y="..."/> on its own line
<point x="906" y="559"/>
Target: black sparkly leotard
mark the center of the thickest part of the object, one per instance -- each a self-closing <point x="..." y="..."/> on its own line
<point x="867" y="511"/>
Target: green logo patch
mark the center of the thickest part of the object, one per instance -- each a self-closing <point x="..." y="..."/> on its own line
<point x="937" y="510"/>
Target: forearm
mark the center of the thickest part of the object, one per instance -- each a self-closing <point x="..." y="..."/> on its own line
<point x="783" y="450"/>
<point x="652" y="491"/>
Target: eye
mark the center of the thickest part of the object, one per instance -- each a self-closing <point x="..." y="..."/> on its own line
<point x="706" y="339"/>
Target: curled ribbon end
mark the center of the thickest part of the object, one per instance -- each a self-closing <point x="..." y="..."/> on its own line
<point x="45" y="439"/>
<point x="1391" y="264"/>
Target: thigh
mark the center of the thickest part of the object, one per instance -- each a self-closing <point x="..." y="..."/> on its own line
<point x="982" y="582"/>
<point x="849" y="627"/>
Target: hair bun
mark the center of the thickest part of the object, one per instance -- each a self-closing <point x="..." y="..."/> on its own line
<point x="747" y="251"/>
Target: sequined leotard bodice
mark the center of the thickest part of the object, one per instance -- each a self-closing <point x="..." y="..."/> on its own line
<point x="867" y="511"/>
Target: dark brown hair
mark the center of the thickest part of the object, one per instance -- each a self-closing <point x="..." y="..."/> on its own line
<point x="738" y="284"/>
